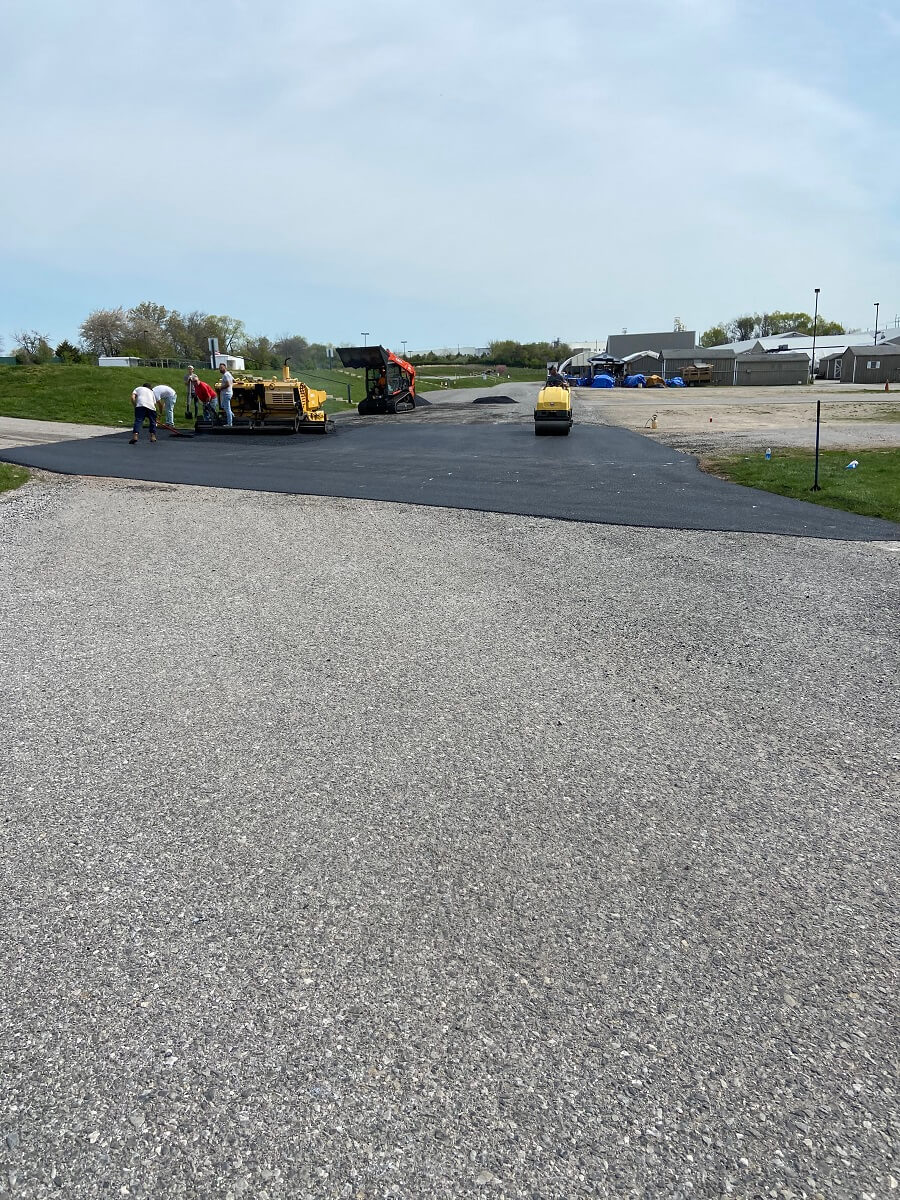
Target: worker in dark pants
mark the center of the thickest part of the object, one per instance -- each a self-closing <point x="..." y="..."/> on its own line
<point x="144" y="410"/>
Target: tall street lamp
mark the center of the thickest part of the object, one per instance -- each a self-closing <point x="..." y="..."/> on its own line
<point x="812" y="365"/>
<point x="403" y="344"/>
<point x="875" y="343"/>
<point x="364" y="336"/>
<point x="815" y="487"/>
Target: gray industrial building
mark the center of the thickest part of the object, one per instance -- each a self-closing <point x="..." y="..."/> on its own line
<point x="869" y="364"/>
<point x="759" y="362"/>
<point x="721" y="359"/>
<point x="620" y="345"/>
<point x="771" y="369"/>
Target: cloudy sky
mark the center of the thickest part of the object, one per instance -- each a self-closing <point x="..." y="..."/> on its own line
<point x="449" y="173"/>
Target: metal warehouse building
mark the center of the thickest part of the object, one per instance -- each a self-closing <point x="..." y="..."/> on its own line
<point x="620" y="345"/>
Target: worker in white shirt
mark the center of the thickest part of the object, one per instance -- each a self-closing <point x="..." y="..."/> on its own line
<point x="225" y="389"/>
<point x="166" y="396"/>
<point x="144" y="410"/>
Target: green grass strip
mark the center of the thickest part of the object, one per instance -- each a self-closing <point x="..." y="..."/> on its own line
<point x="872" y="489"/>
<point x="11" y="476"/>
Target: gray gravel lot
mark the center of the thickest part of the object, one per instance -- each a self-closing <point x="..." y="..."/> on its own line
<point x="362" y="850"/>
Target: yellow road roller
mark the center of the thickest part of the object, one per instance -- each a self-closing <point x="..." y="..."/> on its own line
<point x="553" y="411"/>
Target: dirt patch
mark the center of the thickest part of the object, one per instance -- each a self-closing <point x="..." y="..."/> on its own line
<point x="723" y="422"/>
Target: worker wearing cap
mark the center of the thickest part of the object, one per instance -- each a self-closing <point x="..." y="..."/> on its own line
<point x="190" y="379"/>
<point x="226" y="391"/>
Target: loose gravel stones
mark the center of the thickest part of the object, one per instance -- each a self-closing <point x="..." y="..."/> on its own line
<point x="362" y="850"/>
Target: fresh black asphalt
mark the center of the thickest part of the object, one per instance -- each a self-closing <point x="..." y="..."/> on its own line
<point x="598" y="474"/>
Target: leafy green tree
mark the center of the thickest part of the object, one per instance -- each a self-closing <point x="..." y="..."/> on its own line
<point x="770" y="324"/>
<point x="147" y="335"/>
<point x="294" y="347"/>
<point x="230" y="332"/>
<point x="189" y="333"/>
<point x="259" y="354"/>
<point x="318" y="355"/>
<point x="149" y="313"/>
<point x="526" y="354"/>
<point x="742" y="329"/>
<point x="716" y="335"/>
<point x="67" y="352"/>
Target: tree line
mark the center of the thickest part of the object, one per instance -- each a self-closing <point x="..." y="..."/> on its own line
<point x="153" y="331"/>
<point x="506" y="353"/>
<point x="758" y="325"/>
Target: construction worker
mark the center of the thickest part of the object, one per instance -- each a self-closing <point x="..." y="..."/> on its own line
<point x="204" y="396"/>
<point x="191" y="407"/>
<point x="225" y="389"/>
<point x="144" y="410"/>
<point x="166" y="399"/>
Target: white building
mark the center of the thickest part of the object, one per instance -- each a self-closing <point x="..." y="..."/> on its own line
<point x="232" y="362"/>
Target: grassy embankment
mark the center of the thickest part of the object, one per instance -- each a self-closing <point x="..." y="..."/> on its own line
<point x="85" y="395"/>
<point x="872" y="489"/>
<point x="11" y="476"/>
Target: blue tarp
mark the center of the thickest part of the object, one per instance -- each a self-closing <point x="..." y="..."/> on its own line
<point x="675" y="381"/>
<point x="603" y="381"/>
<point x="635" y="380"/>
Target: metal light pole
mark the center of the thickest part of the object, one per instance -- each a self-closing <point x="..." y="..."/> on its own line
<point x="877" y="306"/>
<point x="364" y="336"/>
<point x="403" y="344"/>
<point x="815" y="487"/>
<point x="812" y="365"/>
